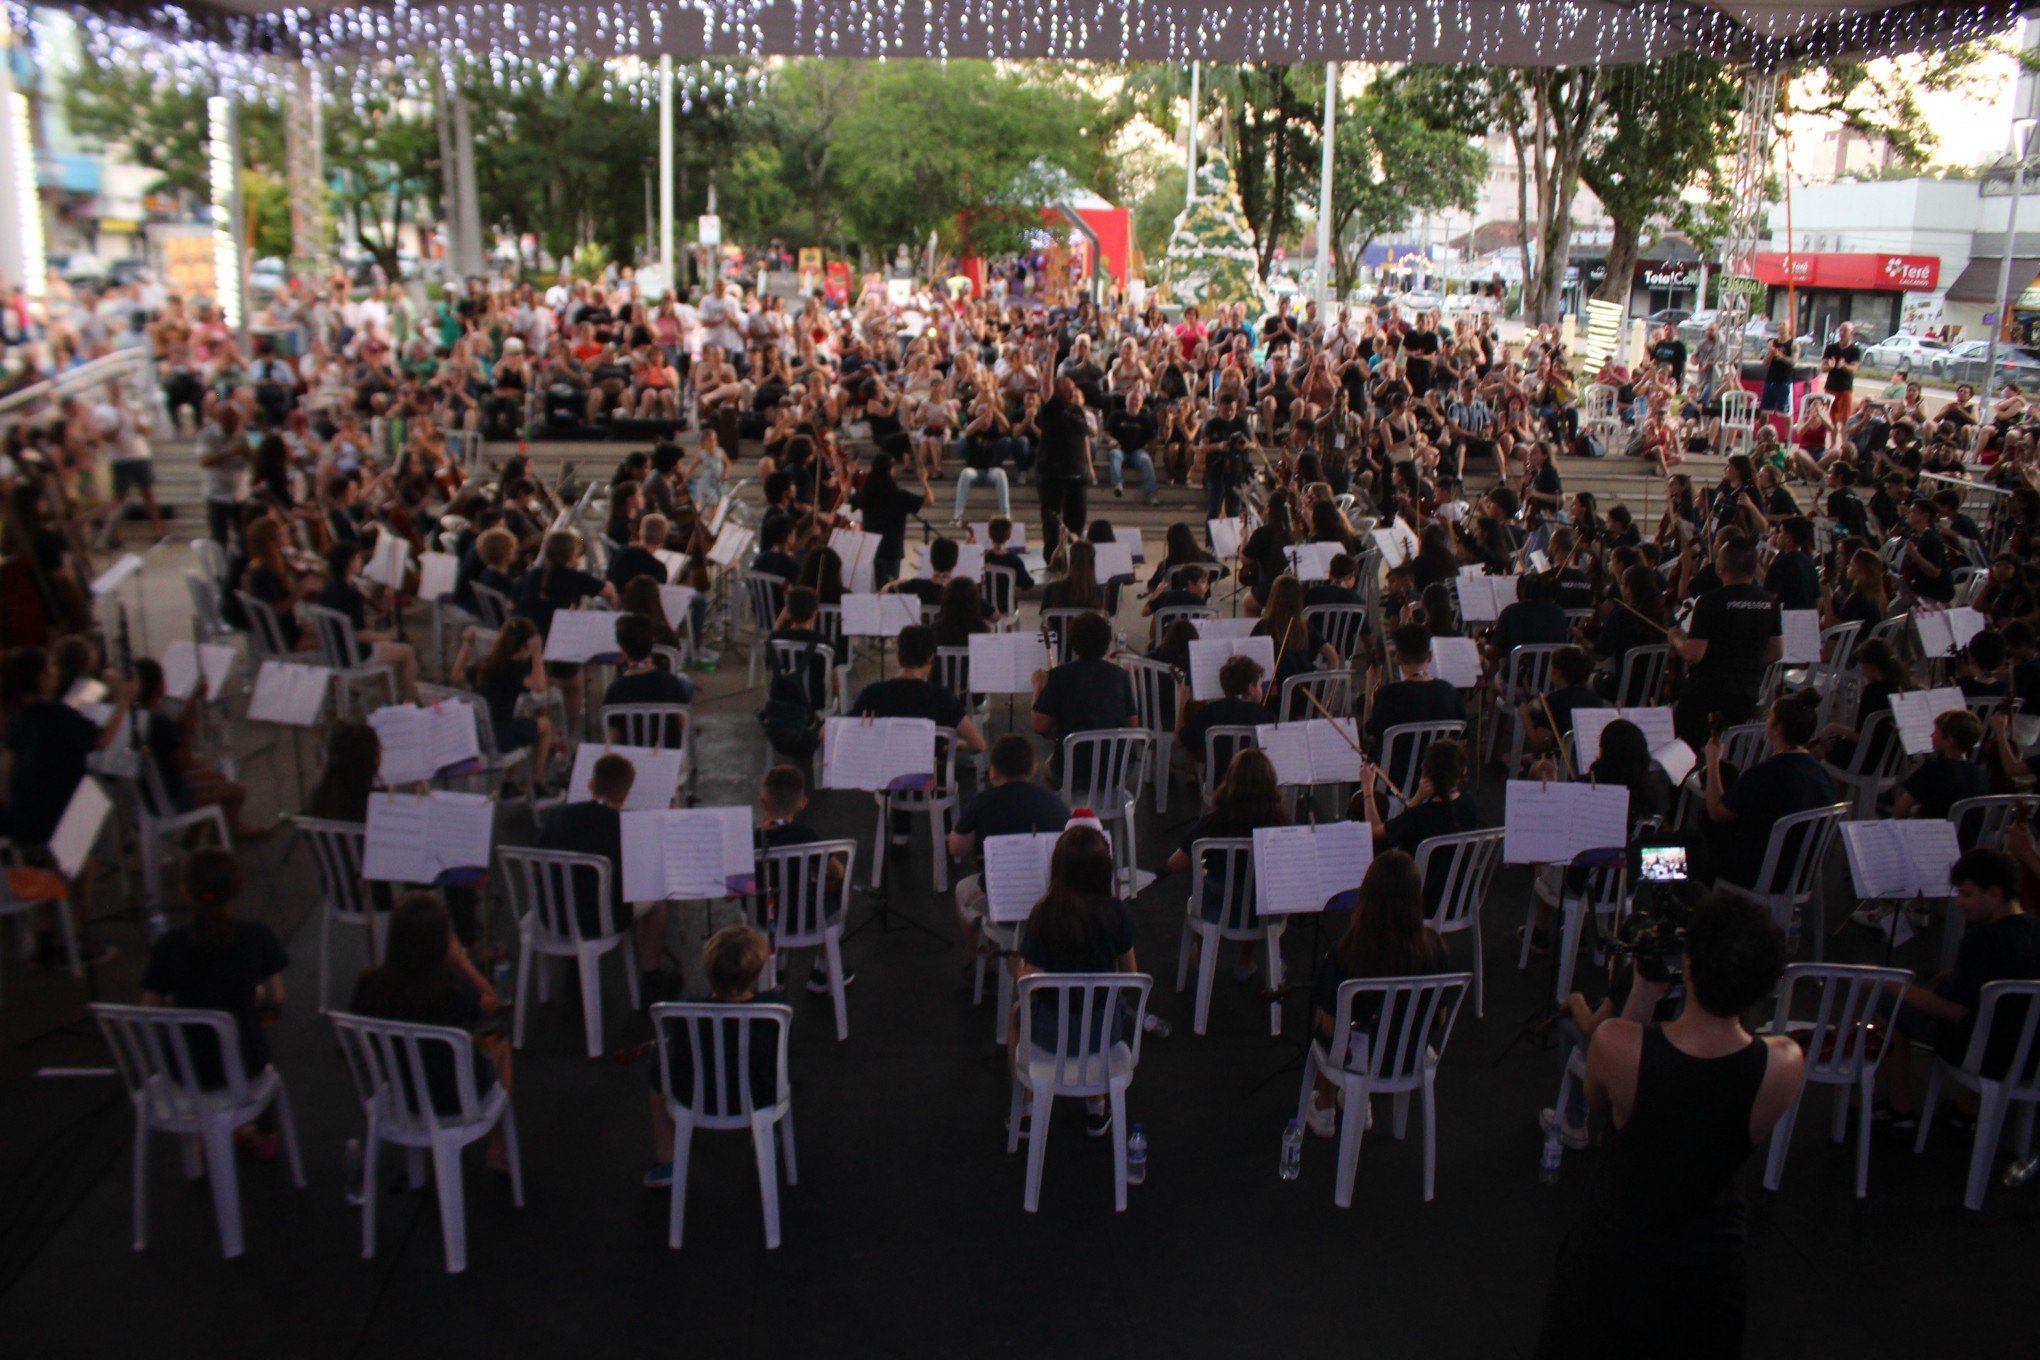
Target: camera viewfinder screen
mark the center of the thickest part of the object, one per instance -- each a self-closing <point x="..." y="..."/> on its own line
<point x="1662" y="864"/>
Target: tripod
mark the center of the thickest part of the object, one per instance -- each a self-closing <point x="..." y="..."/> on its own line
<point x="1346" y="901"/>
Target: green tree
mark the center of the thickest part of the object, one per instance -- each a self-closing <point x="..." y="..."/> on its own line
<point x="957" y="148"/>
<point x="1670" y="128"/>
<point x="384" y="156"/>
<point x="164" y="129"/>
<point x="793" y="121"/>
<point x="1154" y="217"/>
<point x="1389" y="164"/>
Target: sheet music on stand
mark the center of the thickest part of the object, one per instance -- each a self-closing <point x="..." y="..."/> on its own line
<point x="1913" y="713"/>
<point x="1208" y="655"/>
<point x="1311" y="751"/>
<point x="1312" y="561"/>
<point x="859" y="551"/>
<point x="656" y="770"/>
<point x="687" y="854"/>
<point x="729" y="545"/>
<point x="1297" y="869"/>
<point x="389" y="562"/>
<point x="879" y="616"/>
<point x="1482" y="597"/>
<point x="581" y="635"/>
<point x="419" y="743"/>
<point x="1901" y="858"/>
<point x="1801" y="629"/>
<point x="1114" y="562"/>
<point x="418" y="837"/>
<point x="1398" y="545"/>
<point x="438" y="575"/>
<point x="1456" y="661"/>
<point x="1016" y="872"/>
<point x="1224" y="626"/>
<point x="970" y="563"/>
<point x="185" y="662"/>
<point x="875" y="753"/>
<point x="1005" y="663"/>
<point x="678" y="604"/>
<point x="1227" y="536"/>
<point x="288" y="693"/>
<point x="1654" y="720"/>
<point x="673" y="562"/>
<point x="78" y="829"/>
<point x="720" y="515"/>
<point x="1131" y="540"/>
<point x="1946" y="631"/>
<point x="1549" y="823"/>
<point x="110" y="580"/>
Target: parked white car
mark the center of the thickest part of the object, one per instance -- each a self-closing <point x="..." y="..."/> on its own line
<point x="1903" y="350"/>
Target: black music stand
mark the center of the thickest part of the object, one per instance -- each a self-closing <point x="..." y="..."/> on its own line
<point x="883" y="916"/>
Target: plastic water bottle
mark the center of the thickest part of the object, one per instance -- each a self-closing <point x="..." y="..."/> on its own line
<point x="1547" y="1166"/>
<point x="159" y="923"/>
<point x="1155" y="1025"/>
<point x="500" y="978"/>
<point x="1291" y="1165"/>
<point x="352" y="1169"/>
<point x="2021" y="1171"/>
<point x="1136" y="1156"/>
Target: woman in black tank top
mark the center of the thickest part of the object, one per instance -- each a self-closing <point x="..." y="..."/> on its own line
<point x="1655" y="1265"/>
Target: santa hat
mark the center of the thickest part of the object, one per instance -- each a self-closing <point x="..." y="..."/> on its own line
<point x="1083" y="816"/>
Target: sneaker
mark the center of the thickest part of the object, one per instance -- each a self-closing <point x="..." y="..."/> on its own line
<point x="1898" y="1121"/>
<point x="660" y="1177"/>
<point x="1097" y="1119"/>
<point x="1322" y="1120"/>
<point x="1154" y="498"/>
<point x="1119" y="491"/>
<point x="1569" y="1135"/>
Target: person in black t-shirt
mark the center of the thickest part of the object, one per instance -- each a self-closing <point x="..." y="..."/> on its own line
<point x="47" y="743"/>
<point x="886" y="507"/>
<point x="1669" y="352"/>
<point x="1777" y="393"/>
<point x="1789" y="780"/>
<point x="1839" y="361"/>
<point x="1793" y="578"/>
<point x="782" y="797"/>
<point x="1438" y="806"/>
<point x="1415" y="697"/>
<point x="1132" y="430"/>
<point x="911" y="694"/>
<point x="999" y="553"/>
<point x="2000" y="942"/>
<point x="1063" y="470"/>
<point x="642" y="680"/>
<point x="1087" y="694"/>
<point x="733" y="960"/>
<point x="1223" y="438"/>
<point x="1012" y="804"/>
<point x="1733" y="635"/>
<point x="636" y="559"/>
<point x="1572" y="688"/>
<point x="1926" y="565"/>
<point x="595" y="827"/>
<point x="1244" y="704"/>
<point x="1950" y="774"/>
<point x="1340" y="586"/>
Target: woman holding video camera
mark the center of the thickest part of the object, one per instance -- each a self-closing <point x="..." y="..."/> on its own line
<point x="1656" y="1264"/>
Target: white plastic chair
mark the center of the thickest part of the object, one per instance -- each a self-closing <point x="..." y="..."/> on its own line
<point x="1087" y="1060"/>
<point x="20" y="908"/>
<point x="1403" y="748"/>
<point x="1525" y="674"/>
<point x="392" y="1064"/>
<point x="1873" y="765"/>
<point x="152" y="1048"/>
<point x="2019" y="1086"/>
<point x="1468" y="860"/>
<point x="719" y="1039"/>
<point x="1114" y="763"/>
<point x="492" y="606"/>
<point x="1340" y="625"/>
<point x="649" y="725"/>
<point x="156" y="823"/>
<point x="344" y="895"/>
<point x="339" y="653"/>
<point x="1157" y="691"/>
<point x="207" y="624"/>
<point x="1782" y="887"/>
<point x="937" y="802"/>
<point x="1598" y="413"/>
<point x="1222" y="741"/>
<point x="824" y="686"/>
<point x="265" y="632"/>
<point x="1158" y="625"/>
<point x="766" y="593"/>
<point x="1738" y="419"/>
<point x="1002" y="591"/>
<point x="805" y="913"/>
<point x="1332" y="689"/>
<point x="1396" y="1056"/>
<point x="212" y="559"/>
<point x="1055" y="630"/>
<point x="1643" y="674"/>
<point x="539" y="885"/>
<point x="1843" y="1046"/>
<point x="1237" y="920"/>
<point x="1985" y="822"/>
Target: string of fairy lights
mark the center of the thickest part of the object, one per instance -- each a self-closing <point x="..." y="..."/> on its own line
<point x="400" y="48"/>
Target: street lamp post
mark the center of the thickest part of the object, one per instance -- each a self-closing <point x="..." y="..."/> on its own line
<point x="2022" y="136"/>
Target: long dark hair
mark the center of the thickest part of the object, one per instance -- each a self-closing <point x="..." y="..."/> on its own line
<point x="1080" y="581"/>
<point x="353" y="758"/>
<point x="416" y="975"/>
<point x="510" y="640"/>
<point x="1066" y="921"/>
<point x="1386" y="935"/>
<point x="1624" y="758"/>
<point x="1643" y="592"/>
<point x="1248" y="796"/>
<point x="960" y="614"/>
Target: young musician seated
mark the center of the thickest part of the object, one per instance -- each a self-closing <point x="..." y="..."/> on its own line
<point x="942" y="554"/>
<point x="595" y="827"/>
<point x="1438" y="806"/>
<point x="1950" y="774"/>
<point x="641" y="680"/>
<point x="1085" y="694"/>
<point x="636" y="559"/>
<point x="912" y="694"/>
<point x="1341" y="588"/>
<point x="782" y="797"/>
<point x="1189" y="587"/>
<point x="379" y="645"/>
<point x="1415" y="696"/>
<point x="1788" y="780"/>
<point x="798" y="623"/>
<point x="1244" y="704"/>
<point x="1572" y="675"/>
<point x="733" y="959"/>
<point x="1534" y="619"/>
<point x="997" y="554"/>
<point x="1012" y="804"/>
